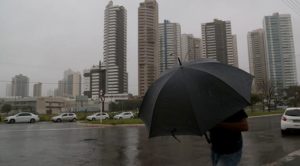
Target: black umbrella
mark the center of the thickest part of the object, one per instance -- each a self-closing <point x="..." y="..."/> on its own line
<point x="192" y="98"/>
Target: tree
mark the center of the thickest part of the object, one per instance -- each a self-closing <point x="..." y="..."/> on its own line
<point x="268" y="93"/>
<point x="6" y="108"/>
<point x="292" y="95"/>
<point x="255" y="98"/>
<point x="123" y="105"/>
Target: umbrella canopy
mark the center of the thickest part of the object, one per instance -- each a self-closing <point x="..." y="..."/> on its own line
<point x="192" y="98"/>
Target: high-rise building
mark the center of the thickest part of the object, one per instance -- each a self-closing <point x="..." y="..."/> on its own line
<point x="115" y="49"/>
<point x="197" y="49"/>
<point x="70" y="86"/>
<point x="257" y="59"/>
<point x="280" y="51"/>
<point x="61" y="88"/>
<point x="37" y="89"/>
<point x="170" y="44"/>
<point x="234" y="60"/>
<point x="191" y="48"/>
<point x="8" y="90"/>
<point x="86" y="83"/>
<point x="76" y="84"/>
<point x="68" y="83"/>
<point x="20" y="86"/>
<point x="148" y="45"/>
<point x="217" y="41"/>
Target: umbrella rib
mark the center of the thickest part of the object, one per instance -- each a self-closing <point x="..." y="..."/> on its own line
<point x="168" y="75"/>
<point x="203" y="70"/>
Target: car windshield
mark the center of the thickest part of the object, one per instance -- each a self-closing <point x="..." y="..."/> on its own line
<point x="295" y="112"/>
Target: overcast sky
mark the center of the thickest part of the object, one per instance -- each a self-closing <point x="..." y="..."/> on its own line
<point x="43" y="38"/>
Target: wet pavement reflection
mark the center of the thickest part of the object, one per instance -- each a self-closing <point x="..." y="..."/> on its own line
<point x="73" y="144"/>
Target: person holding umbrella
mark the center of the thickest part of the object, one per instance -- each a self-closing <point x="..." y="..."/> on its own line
<point x="226" y="140"/>
<point x="197" y="97"/>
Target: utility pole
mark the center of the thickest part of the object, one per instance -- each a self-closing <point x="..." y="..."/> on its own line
<point x="102" y="99"/>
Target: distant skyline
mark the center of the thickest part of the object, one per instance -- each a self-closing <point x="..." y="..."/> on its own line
<point x="43" y="38"/>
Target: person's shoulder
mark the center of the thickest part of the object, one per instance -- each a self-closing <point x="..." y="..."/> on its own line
<point x="241" y="114"/>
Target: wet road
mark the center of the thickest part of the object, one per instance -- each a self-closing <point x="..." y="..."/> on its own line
<point x="72" y="144"/>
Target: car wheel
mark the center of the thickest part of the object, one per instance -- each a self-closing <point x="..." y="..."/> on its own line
<point x="12" y="121"/>
<point x="106" y="118"/>
<point x="32" y="120"/>
<point x="120" y="118"/>
<point x="93" y="119"/>
<point x="74" y="120"/>
<point x="58" y="120"/>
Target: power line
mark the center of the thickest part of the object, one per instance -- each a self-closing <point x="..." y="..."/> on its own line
<point x="292" y="6"/>
<point x="296" y="3"/>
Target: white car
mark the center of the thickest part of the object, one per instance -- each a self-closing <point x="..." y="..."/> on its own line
<point x="98" y="116"/>
<point x="71" y="117"/>
<point x="22" y="117"/>
<point x="124" y="115"/>
<point x="290" y="120"/>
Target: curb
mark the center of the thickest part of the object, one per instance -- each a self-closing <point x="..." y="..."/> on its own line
<point x="109" y="125"/>
<point x="262" y="116"/>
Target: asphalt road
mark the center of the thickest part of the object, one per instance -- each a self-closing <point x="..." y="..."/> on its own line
<point x="73" y="144"/>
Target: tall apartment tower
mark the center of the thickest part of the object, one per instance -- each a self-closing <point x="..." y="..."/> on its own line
<point x="68" y="83"/>
<point x="115" y="49"/>
<point x="257" y="59"/>
<point x="8" y="90"/>
<point x="95" y="78"/>
<point x="20" y="86"/>
<point x="61" y="88"/>
<point x="86" y="82"/>
<point x="197" y="49"/>
<point x="217" y="41"/>
<point x="170" y="44"/>
<point x="280" y="51"/>
<point x="234" y="61"/>
<point x="76" y="84"/>
<point x="37" y="89"/>
<point x="148" y="45"/>
<point x="191" y="48"/>
<point x="70" y="86"/>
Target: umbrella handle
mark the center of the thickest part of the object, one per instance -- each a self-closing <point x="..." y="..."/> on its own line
<point x="207" y="138"/>
<point x="179" y="61"/>
<point x="173" y="135"/>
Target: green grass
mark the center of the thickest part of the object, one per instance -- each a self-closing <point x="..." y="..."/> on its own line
<point x="260" y="113"/>
<point x="45" y="117"/>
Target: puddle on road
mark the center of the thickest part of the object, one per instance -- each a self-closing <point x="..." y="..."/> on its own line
<point x="88" y="139"/>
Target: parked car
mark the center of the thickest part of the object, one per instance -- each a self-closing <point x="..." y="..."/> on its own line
<point x="98" y="116"/>
<point x="71" y="117"/>
<point x="124" y="115"/>
<point x="22" y="117"/>
<point x="290" y="120"/>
